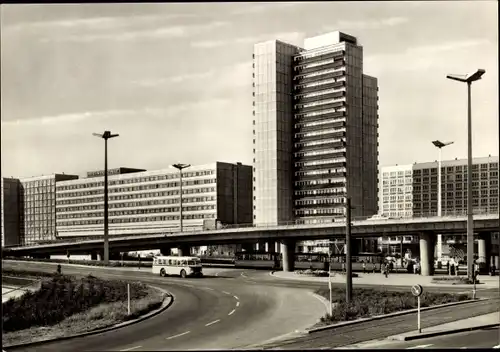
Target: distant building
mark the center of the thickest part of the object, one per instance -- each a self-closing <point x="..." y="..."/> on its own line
<point x="411" y="190"/>
<point x="37" y="211"/>
<point x="10" y="219"/>
<point x="217" y="192"/>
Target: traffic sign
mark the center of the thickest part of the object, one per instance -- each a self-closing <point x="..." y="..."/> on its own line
<point x="417" y="290"/>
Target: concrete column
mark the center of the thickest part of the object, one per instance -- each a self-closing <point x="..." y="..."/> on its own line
<point x="427" y="241"/>
<point x="184" y="251"/>
<point x="277" y="247"/>
<point x="166" y="251"/>
<point x="288" y="251"/>
<point x="270" y="247"/>
<point x="484" y="250"/>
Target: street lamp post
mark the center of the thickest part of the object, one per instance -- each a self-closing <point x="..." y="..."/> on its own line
<point x="470" y="225"/>
<point x="106" y="135"/>
<point x="180" y="167"/>
<point x="440" y="145"/>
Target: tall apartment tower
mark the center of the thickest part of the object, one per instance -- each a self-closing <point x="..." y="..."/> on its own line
<point x="315" y="131"/>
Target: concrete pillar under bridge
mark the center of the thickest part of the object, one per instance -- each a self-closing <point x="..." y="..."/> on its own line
<point x="288" y="254"/>
<point x="184" y="251"/>
<point x="484" y="249"/>
<point x="96" y="256"/>
<point x="427" y="245"/>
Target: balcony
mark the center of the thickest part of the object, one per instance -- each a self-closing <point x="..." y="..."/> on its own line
<point x="319" y="146"/>
<point x="336" y="64"/>
<point x="330" y="165"/>
<point x="331" y="95"/>
<point x="332" y="154"/>
<point x="333" y="124"/>
<point x="318" y="187"/>
<point x="321" y="77"/>
<point x="305" y="90"/>
<point x="300" y="60"/>
<point x="332" y="134"/>
<point x="301" y="118"/>
<point x="338" y="104"/>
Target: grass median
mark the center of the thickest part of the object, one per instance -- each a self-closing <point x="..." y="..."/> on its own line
<point x="371" y="302"/>
<point x="65" y="305"/>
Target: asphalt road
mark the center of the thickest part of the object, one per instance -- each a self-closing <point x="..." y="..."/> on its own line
<point x="215" y="312"/>
<point x="367" y="331"/>
<point x="241" y="309"/>
<point x="485" y="338"/>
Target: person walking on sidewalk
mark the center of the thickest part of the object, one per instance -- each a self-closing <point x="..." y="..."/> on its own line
<point x="364" y="267"/>
<point x="448" y="267"/>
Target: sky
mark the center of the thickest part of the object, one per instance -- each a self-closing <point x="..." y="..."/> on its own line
<point x="175" y="80"/>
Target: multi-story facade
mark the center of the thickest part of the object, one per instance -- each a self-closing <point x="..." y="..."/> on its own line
<point x="411" y="190"/>
<point x="10" y="211"/>
<point x="37" y="211"/>
<point x="151" y="200"/>
<point x="315" y="131"/>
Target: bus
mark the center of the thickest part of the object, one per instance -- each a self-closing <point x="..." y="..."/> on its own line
<point x="175" y="265"/>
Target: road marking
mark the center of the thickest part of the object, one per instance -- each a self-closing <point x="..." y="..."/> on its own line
<point x="131" y="348"/>
<point x="173" y="337"/>
<point x="236" y="298"/>
<point x="497" y="346"/>
<point x="250" y="281"/>
<point x="213" y="322"/>
<point x="419" y="346"/>
<point x="231" y="313"/>
<point x="243" y="274"/>
<point x="238" y="304"/>
<point x="227" y="293"/>
<point x="188" y="286"/>
<point x="208" y="288"/>
<point x="322" y="300"/>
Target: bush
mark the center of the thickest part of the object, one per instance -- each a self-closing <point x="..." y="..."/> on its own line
<point x="454" y="280"/>
<point x="62" y="296"/>
<point x="371" y="302"/>
<point x="320" y="273"/>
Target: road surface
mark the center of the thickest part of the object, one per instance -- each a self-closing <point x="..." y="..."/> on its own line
<point x="485" y="338"/>
<point x="215" y="312"/>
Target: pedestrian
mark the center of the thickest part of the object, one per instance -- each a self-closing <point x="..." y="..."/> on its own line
<point x="448" y="268"/>
<point x="373" y="267"/>
<point x="493" y="268"/>
<point x="456" y="268"/>
<point x="364" y="267"/>
<point x="343" y="267"/>
<point x="59" y="269"/>
<point x="476" y="270"/>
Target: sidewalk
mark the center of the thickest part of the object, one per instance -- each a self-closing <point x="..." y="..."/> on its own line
<point x="475" y="322"/>
<point x="487" y="282"/>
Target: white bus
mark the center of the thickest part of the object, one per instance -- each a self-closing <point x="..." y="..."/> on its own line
<point x="174" y="265"/>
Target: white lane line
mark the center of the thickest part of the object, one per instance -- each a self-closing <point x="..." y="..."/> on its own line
<point x="250" y="281"/>
<point x="208" y="288"/>
<point x="497" y="346"/>
<point x="231" y="313"/>
<point x="189" y="286"/>
<point x="173" y="337"/>
<point x="419" y="346"/>
<point x="321" y="299"/>
<point x="227" y="293"/>
<point x="131" y="348"/>
<point x="236" y="298"/>
<point x="238" y="304"/>
<point x="213" y="322"/>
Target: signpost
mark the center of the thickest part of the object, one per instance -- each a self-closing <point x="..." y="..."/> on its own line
<point x="417" y="291"/>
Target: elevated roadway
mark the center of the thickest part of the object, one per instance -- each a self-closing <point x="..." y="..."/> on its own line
<point x="156" y="238"/>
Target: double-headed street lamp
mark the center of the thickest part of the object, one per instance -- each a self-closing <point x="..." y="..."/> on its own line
<point x="106" y="135"/>
<point x="470" y="225"/>
<point x="440" y="145"/>
<point x="180" y="167"/>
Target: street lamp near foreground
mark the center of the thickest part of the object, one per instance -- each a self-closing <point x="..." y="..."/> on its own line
<point x="470" y="224"/>
<point x="106" y="135"/>
<point x="180" y="167"/>
<point x="440" y="145"/>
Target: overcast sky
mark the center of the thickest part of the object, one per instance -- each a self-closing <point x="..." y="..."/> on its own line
<point x="175" y="80"/>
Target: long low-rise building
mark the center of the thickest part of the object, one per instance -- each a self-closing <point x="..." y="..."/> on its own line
<point x="212" y="193"/>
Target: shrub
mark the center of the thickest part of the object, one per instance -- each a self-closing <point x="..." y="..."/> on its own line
<point x="62" y="296"/>
<point x="459" y="280"/>
<point x="371" y="302"/>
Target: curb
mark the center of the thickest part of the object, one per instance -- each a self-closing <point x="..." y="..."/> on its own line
<point x="167" y="302"/>
<point x="440" y="333"/>
<point x="395" y="314"/>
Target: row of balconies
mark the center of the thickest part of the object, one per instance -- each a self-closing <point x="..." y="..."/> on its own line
<point x="303" y="71"/>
